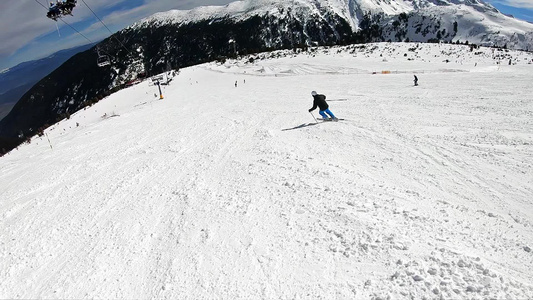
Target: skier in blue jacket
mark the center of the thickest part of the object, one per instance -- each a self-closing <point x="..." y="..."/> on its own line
<point x="320" y="102"/>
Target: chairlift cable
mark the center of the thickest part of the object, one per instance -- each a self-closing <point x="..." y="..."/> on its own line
<point x="105" y="26"/>
<point x="97" y="16"/>
<point x="41" y="4"/>
<point x="77" y="31"/>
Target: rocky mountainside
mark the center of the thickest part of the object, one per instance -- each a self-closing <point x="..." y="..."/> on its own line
<point x="175" y="39"/>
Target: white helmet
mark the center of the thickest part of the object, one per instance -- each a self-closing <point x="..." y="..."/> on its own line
<point x="313" y="93"/>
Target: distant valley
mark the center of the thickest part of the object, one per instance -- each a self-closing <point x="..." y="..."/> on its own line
<point x="16" y="81"/>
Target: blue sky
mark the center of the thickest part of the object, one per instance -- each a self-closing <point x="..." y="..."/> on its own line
<point x="520" y="9"/>
<point x="27" y="34"/>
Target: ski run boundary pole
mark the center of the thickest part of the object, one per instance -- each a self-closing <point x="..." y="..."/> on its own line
<point x="49" y="141"/>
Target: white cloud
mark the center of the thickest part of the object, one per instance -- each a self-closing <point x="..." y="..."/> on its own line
<point x="20" y="22"/>
<point x="521" y="3"/>
<point x="517" y="3"/>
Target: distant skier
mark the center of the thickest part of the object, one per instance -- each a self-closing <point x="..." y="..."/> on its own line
<point x="320" y="102"/>
<point x="416" y="80"/>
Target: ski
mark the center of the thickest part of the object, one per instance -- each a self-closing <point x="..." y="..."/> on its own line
<point x="329" y="120"/>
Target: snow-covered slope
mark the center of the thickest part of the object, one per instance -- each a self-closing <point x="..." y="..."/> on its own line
<point x="228" y="189"/>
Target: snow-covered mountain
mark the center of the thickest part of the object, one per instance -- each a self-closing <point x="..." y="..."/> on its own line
<point x="421" y="20"/>
<point x="228" y="188"/>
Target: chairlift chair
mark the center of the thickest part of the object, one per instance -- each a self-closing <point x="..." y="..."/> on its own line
<point x="54" y="12"/>
<point x="103" y="60"/>
<point x="60" y="9"/>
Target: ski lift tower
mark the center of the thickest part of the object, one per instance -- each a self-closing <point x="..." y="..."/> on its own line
<point x="160" y="93"/>
<point x="156" y="80"/>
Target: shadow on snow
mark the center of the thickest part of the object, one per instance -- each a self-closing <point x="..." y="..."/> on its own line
<point x="300" y="126"/>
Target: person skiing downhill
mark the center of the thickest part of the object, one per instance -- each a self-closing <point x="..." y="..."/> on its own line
<point x="416" y="80"/>
<point x="319" y="101"/>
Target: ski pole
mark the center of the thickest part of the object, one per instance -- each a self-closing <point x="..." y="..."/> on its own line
<point x="314" y="117"/>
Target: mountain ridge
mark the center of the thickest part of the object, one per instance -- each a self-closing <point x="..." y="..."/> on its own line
<point x="479" y="22"/>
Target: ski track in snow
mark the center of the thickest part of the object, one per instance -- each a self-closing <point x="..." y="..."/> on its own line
<point x="232" y="192"/>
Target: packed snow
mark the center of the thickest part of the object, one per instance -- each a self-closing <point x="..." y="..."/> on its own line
<point x="229" y="189"/>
